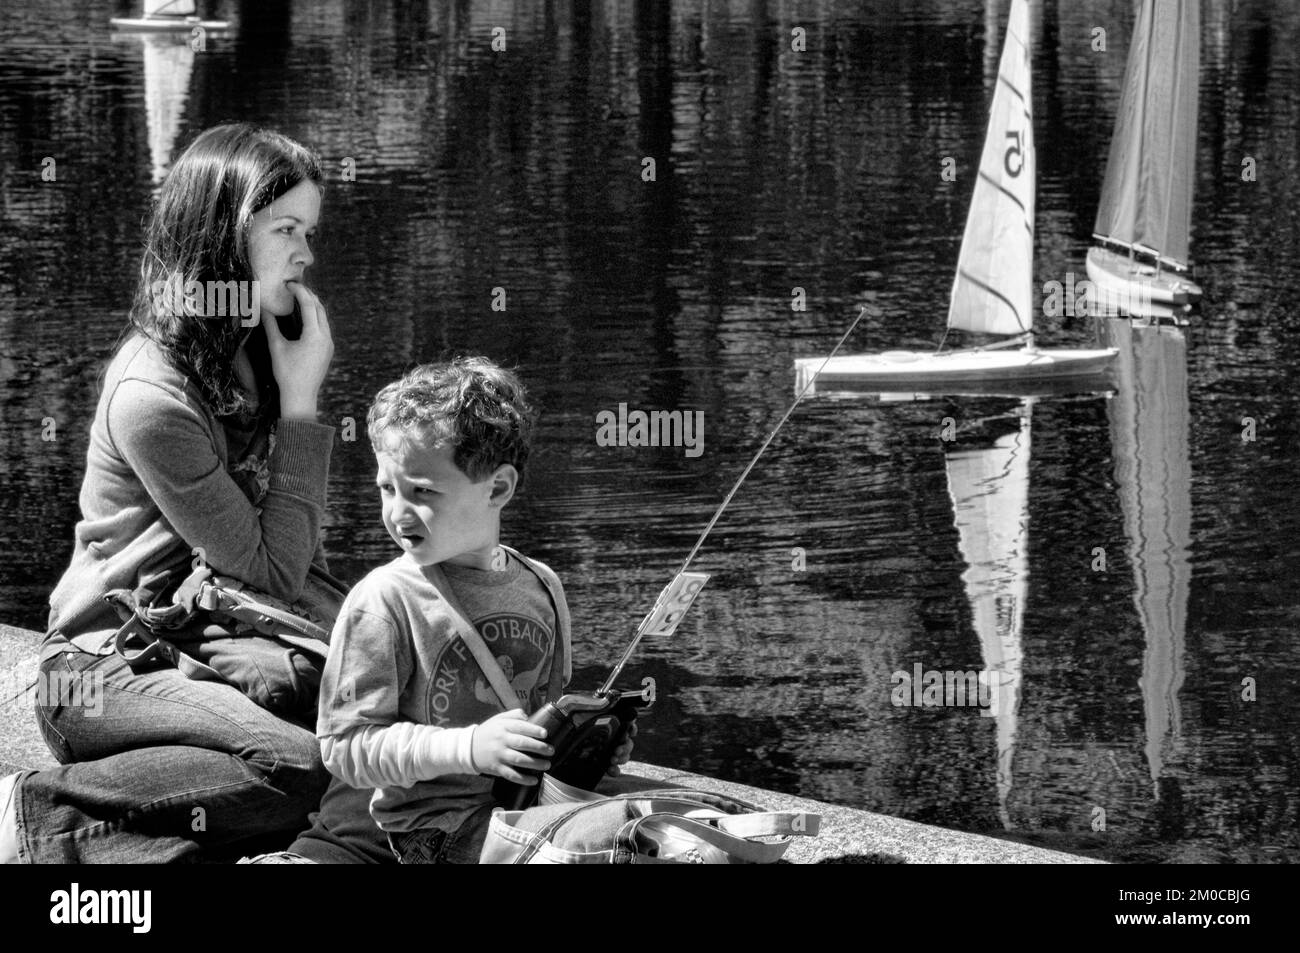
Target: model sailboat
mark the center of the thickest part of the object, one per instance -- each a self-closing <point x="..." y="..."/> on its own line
<point x="989" y="487"/>
<point x="993" y="292"/>
<point x="167" y="16"/>
<point x="1144" y="219"/>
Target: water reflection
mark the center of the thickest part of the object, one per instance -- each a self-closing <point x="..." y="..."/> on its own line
<point x="168" y="62"/>
<point x="1149" y="422"/>
<point x="989" y="487"/>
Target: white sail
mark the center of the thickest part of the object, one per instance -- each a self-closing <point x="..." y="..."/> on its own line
<point x="993" y="290"/>
<point x="171" y="8"/>
<point x="1150" y="422"/>
<point x="168" y="61"/>
<point x="1146" y="199"/>
<point x="990" y="498"/>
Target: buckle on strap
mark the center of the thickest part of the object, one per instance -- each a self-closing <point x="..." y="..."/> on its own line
<point x="155" y="649"/>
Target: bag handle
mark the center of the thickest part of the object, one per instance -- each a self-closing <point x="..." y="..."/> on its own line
<point x="473" y="641"/>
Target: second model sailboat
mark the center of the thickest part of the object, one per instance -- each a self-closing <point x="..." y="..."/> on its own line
<point x="1144" y="218"/>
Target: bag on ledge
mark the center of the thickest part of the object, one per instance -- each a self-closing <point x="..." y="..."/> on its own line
<point x="214" y="628"/>
<point x="666" y="826"/>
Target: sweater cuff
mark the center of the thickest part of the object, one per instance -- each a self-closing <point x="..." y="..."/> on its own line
<point x="300" y="463"/>
<point x="445" y="751"/>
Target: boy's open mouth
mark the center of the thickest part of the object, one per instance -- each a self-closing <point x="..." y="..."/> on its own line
<point x="413" y="539"/>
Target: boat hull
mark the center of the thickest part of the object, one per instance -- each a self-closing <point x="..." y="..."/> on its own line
<point x="900" y="371"/>
<point x="1137" y="287"/>
<point x="165" y="24"/>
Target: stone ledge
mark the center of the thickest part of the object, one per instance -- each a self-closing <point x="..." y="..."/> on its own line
<point x="847" y="835"/>
<point x="21" y="745"/>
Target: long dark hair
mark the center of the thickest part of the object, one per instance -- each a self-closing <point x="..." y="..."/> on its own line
<point x="198" y="231"/>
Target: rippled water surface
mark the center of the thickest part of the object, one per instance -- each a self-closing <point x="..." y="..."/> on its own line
<point x="1123" y="563"/>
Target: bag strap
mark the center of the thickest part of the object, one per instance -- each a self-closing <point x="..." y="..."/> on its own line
<point x="562" y="663"/>
<point x="157" y="651"/>
<point x="645" y="837"/>
<point x="473" y="641"/>
<point x="227" y="595"/>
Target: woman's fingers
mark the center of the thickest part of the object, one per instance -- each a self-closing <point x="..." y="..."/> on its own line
<point x="315" y="321"/>
<point x="300" y="365"/>
<point x="273" y="334"/>
<point x="308" y="304"/>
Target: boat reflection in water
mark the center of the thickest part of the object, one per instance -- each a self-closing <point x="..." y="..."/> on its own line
<point x="168" y="45"/>
<point x="168" y="62"/>
<point x="989" y="487"/>
<point x="1149" y="425"/>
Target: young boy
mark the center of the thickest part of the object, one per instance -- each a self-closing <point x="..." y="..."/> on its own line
<point x="404" y="706"/>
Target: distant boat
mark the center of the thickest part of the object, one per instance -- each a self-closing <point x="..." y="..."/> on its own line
<point x="993" y="292"/>
<point x="989" y="487"/>
<point x="167" y="15"/>
<point x="1144" y="218"/>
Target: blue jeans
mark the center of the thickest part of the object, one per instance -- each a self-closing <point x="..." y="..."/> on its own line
<point x="162" y="768"/>
<point x="434" y="846"/>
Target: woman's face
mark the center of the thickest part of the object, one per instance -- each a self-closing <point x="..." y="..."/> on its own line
<point x="278" y="244"/>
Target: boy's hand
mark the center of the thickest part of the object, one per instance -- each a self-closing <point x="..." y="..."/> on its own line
<point x="623" y="753"/>
<point x="509" y="741"/>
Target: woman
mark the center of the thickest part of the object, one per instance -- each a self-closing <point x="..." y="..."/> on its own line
<point x="205" y="445"/>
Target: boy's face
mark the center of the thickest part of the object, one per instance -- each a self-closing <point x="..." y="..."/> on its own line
<point x="436" y="513"/>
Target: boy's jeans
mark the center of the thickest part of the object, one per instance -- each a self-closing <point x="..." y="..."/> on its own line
<point x="157" y="767"/>
<point x="434" y="846"/>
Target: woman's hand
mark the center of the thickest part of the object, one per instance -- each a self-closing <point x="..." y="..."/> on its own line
<point x="300" y="366"/>
<point x="623" y="753"/>
<point x="507" y="742"/>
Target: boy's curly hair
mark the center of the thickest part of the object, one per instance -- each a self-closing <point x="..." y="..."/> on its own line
<point x="469" y="403"/>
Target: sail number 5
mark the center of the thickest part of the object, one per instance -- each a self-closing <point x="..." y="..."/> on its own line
<point x="1013" y="149"/>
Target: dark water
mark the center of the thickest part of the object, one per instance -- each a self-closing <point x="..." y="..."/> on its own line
<point x="775" y="169"/>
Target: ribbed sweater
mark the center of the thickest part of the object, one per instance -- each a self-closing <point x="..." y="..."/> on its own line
<point x="160" y="483"/>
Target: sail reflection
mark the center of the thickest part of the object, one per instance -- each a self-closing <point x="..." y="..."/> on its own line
<point x="168" y="62"/>
<point x="989" y="487"/>
<point x="1149" y="424"/>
